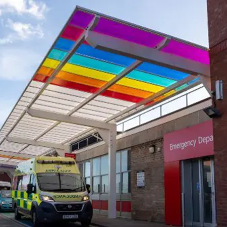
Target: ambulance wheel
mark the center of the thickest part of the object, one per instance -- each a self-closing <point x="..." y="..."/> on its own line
<point x="35" y="220"/>
<point x="86" y="223"/>
<point x="17" y="215"/>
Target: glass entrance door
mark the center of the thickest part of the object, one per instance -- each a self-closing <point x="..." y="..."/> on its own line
<point x="198" y="200"/>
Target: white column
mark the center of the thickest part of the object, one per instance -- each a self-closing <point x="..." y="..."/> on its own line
<point x="112" y="173"/>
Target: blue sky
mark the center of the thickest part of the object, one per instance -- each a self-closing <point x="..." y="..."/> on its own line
<point x="29" y="27"/>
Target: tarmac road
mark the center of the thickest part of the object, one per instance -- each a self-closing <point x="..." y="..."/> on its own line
<point x="7" y="220"/>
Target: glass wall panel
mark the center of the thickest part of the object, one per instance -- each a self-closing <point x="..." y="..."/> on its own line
<point x="105" y="184"/>
<point x="126" y="183"/>
<point x="88" y="180"/>
<point x="104" y="165"/>
<point x="87" y="168"/>
<point x="118" y="183"/>
<point x="118" y="162"/>
<point x="96" y="184"/>
<point x="124" y="161"/>
<point x="96" y="166"/>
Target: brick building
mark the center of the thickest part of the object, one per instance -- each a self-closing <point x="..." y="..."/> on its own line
<point x="102" y="70"/>
<point x="160" y="200"/>
<point x="217" y="11"/>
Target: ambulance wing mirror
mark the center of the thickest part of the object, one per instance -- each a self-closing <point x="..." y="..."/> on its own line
<point x="30" y="189"/>
<point x="88" y="186"/>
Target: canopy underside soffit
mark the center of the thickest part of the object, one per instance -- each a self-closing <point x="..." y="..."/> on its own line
<point x="98" y="71"/>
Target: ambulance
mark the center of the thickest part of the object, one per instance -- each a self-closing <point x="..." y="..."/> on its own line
<point x="50" y="189"/>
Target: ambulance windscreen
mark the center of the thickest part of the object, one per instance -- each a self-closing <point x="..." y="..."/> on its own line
<point x="60" y="182"/>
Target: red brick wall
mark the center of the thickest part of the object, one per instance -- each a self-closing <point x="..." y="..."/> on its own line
<point x="217" y="16"/>
<point x="217" y="21"/>
<point x="148" y="202"/>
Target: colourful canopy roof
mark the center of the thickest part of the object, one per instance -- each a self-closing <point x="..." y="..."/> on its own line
<point x="73" y="71"/>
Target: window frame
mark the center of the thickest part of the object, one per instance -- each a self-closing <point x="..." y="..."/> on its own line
<point x="100" y="175"/>
<point x="123" y="172"/>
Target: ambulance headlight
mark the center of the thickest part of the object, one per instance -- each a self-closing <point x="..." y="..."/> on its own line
<point x="85" y="198"/>
<point x="46" y="198"/>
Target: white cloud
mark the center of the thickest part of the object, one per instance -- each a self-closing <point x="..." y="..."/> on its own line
<point x="21" y="31"/>
<point x="24" y="31"/>
<point x="8" y="39"/>
<point x="18" y="64"/>
<point x="36" y="9"/>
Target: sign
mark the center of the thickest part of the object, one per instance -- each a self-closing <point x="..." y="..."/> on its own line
<point x="193" y="142"/>
<point x="140" y="179"/>
<point x="70" y="155"/>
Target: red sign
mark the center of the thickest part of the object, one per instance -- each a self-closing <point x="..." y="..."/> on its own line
<point x="192" y="142"/>
<point x="70" y="155"/>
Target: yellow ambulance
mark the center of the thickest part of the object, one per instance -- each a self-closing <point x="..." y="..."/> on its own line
<point x="50" y="189"/>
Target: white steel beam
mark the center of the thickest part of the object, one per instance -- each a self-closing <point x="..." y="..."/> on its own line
<point x="80" y="40"/>
<point x="142" y="108"/>
<point x="107" y="85"/>
<point x="14" y="154"/>
<point x="36" y="143"/>
<point x="70" y="119"/>
<point x="146" y="54"/>
<point x="138" y="106"/>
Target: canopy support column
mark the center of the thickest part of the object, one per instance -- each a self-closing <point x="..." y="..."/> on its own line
<point x="112" y="173"/>
<point x="109" y="136"/>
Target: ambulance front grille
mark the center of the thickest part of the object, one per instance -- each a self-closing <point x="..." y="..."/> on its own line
<point x="68" y="207"/>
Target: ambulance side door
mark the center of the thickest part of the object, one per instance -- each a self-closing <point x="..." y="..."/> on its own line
<point x="24" y="194"/>
<point x="17" y="193"/>
<point x="31" y="196"/>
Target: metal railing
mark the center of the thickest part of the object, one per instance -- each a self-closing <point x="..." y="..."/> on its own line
<point x="171" y="105"/>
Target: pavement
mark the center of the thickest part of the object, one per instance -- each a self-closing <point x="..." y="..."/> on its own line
<point x="7" y="220"/>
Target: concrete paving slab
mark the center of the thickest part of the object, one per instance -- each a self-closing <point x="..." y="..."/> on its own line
<point x="7" y="220"/>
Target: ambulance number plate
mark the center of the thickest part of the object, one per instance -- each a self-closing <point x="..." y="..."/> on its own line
<point x="75" y="216"/>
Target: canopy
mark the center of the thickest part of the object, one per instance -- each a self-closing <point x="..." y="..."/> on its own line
<point x="99" y="70"/>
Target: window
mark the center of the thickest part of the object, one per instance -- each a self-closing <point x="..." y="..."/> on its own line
<point x="6" y="194"/>
<point x="96" y="173"/>
<point x="104" y="174"/>
<point x="33" y="180"/>
<point x="87" y="172"/>
<point x="96" y="166"/>
<point x="118" y="183"/>
<point x="96" y="184"/>
<point x="25" y="182"/>
<point x="87" y="169"/>
<point x="60" y="182"/>
<point x="81" y="169"/>
<point x="104" y="165"/>
<point x="19" y="183"/>
<point x="125" y="182"/>
<point x="124" y="161"/>
<point x="105" y="184"/>
<point x="123" y="179"/>
<point x="118" y="162"/>
<point x="14" y="187"/>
